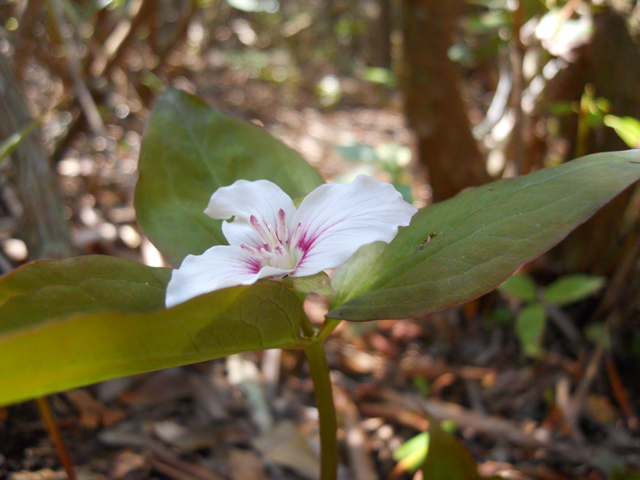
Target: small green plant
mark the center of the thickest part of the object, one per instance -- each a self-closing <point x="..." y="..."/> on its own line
<point x="438" y="453"/>
<point x="531" y="320"/>
<point x="627" y="128"/>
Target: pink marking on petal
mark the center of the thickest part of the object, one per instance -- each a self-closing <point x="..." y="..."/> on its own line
<point x="304" y="243"/>
<point x="281" y="228"/>
<point x="253" y="264"/>
<point x="251" y="250"/>
<point x="258" y="227"/>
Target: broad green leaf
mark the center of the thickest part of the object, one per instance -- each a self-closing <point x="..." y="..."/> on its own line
<point x="447" y="458"/>
<point x="627" y="128"/>
<point x="348" y="276"/>
<point x="459" y="249"/>
<point x="188" y="151"/>
<point x="572" y="288"/>
<point x="523" y="287"/>
<point x="52" y="288"/>
<point x="530" y="325"/>
<point x="65" y="352"/>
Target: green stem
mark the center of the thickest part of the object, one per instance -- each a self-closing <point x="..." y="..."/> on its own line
<point x="328" y="326"/>
<point x="307" y="327"/>
<point x="326" y="410"/>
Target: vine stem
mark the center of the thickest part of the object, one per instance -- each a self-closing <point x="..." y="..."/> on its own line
<point x="326" y="410"/>
<point x="56" y="436"/>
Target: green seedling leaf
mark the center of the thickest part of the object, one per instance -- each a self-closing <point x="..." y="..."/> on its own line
<point x="447" y="459"/>
<point x="530" y="325"/>
<point x="627" y="128"/>
<point x="523" y="287"/>
<point x="420" y="383"/>
<point x="8" y="146"/>
<point x="379" y="75"/>
<point x="188" y="151"/>
<point x="459" y="249"/>
<point x="572" y="288"/>
<point x="52" y="354"/>
<point x="412" y="453"/>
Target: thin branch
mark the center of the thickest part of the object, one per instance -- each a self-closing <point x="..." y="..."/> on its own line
<point x="137" y="13"/>
<point x="360" y="460"/>
<point x="56" y="437"/>
<point x="86" y="101"/>
<point x="501" y="429"/>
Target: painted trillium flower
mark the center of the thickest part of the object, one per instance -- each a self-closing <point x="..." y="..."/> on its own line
<point x="270" y="238"/>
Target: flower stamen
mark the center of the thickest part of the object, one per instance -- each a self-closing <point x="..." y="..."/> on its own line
<point x="275" y="242"/>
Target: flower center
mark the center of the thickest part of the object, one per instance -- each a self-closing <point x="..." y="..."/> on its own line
<point x="275" y="248"/>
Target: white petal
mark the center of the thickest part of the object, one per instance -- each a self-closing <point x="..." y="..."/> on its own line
<point x="240" y="232"/>
<point x="243" y="199"/>
<point x="219" y="267"/>
<point x="335" y="220"/>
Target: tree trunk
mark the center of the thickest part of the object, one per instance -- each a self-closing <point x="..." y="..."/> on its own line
<point x="45" y="230"/>
<point x="381" y="56"/>
<point x="434" y="107"/>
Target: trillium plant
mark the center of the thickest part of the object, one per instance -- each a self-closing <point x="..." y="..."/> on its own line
<point x="269" y="238"/>
<point x="250" y="228"/>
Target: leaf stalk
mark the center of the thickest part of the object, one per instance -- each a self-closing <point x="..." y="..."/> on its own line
<point x="317" y="359"/>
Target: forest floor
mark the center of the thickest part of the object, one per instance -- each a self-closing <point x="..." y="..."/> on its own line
<point x="253" y="416"/>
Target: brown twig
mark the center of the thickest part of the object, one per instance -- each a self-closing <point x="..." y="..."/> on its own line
<point x="566" y="12"/>
<point x="24" y="37"/>
<point x="180" y="32"/>
<point x="498" y="428"/>
<point x="432" y="369"/>
<point x="516" y="57"/>
<point x="271" y="372"/>
<point x="86" y="101"/>
<point x="137" y="13"/>
<point x="56" y="437"/>
<point x="577" y="402"/>
<point x="170" y="471"/>
<point x="395" y="413"/>
<point x="620" y="394"/>
<point x="357" y="445"/>
<point x="590" y="374"/>
<point x="626" y="267"/>
<point x="160" y="452"/>
<point x="566" y="326"/>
